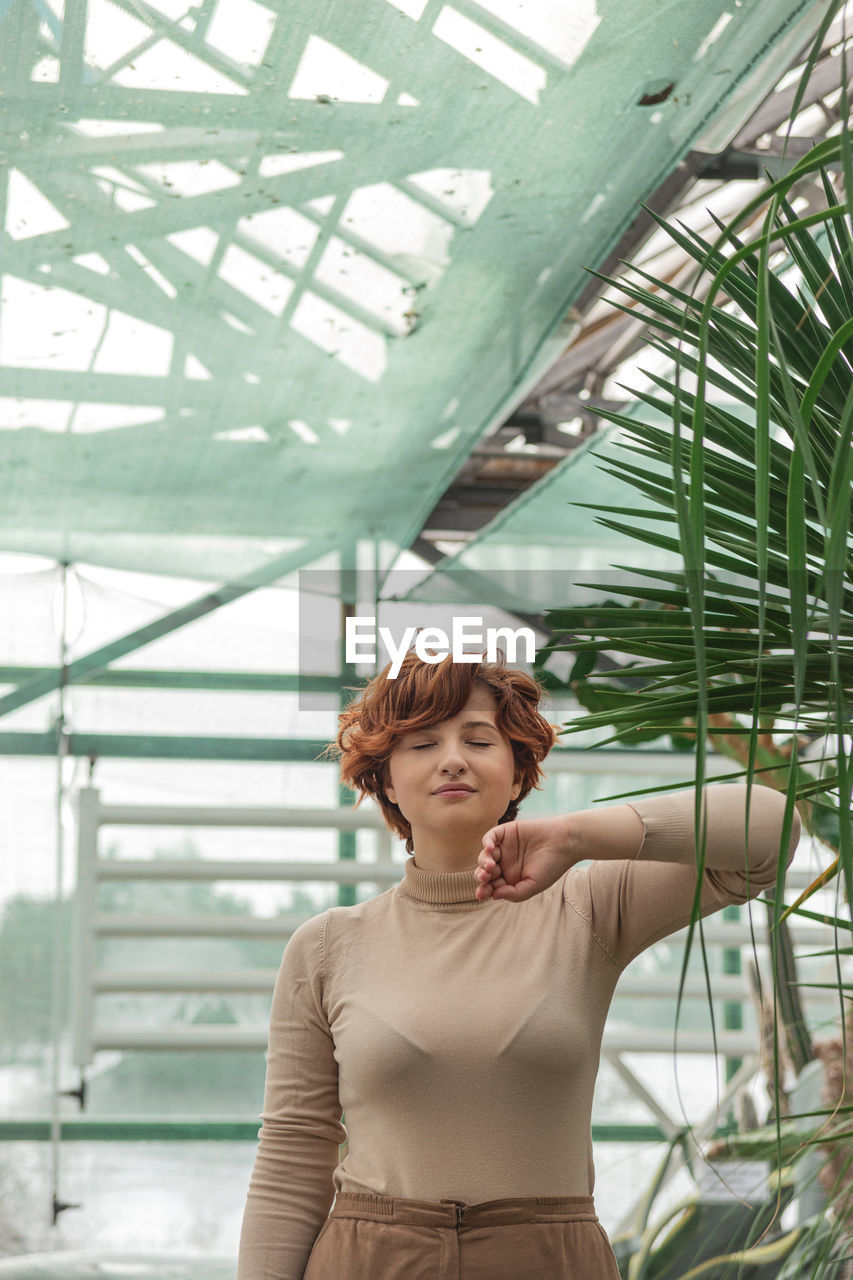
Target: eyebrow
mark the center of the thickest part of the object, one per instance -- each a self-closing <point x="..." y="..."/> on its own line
<point x="469" y="724"/>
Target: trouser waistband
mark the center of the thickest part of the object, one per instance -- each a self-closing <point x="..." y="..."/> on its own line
<point x="457" y="1213"/>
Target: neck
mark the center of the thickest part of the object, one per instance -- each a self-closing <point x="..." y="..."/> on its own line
<point x="434" y="851"/>
<point x="442" y="891"/>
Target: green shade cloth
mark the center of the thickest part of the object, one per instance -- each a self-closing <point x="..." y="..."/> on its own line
<point x="269" y="276"/>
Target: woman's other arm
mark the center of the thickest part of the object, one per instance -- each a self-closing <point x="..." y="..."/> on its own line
<point x="654" y="893"/>
<point x="660" y="828"/>
<point x="291" y="1191"/>
<point x="641" y="883"/>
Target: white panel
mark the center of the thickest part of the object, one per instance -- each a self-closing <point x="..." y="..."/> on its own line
<point x="131" y="345"/>
<point x="563" y="29"/>
<point x="327" y="70"/>
<point x="356" y="346"/>
<point x="494" y="55"/>
<point x="166" y="66"/>
<point x="28" y="211"/>
<point x="255" y="279"/>
<point x="241" y="29"/>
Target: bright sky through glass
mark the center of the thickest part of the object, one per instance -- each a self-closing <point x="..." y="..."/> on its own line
<point x="118" y="49"/>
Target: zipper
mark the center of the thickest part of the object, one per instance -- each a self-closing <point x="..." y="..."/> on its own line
<point x="459" y="1207"/>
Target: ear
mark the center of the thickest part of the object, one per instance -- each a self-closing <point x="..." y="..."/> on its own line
<point x="391" y="794"/>
<point x="516" y="787"/>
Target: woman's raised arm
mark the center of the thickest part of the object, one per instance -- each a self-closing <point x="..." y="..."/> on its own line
<point x="641" y="881"/>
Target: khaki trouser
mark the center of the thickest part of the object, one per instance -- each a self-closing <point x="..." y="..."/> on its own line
<point x="369" y="1237"/>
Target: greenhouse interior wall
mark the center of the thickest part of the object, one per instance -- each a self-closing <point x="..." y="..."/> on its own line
<point x="159" y="1159"/>
<point x="292" y="302"/>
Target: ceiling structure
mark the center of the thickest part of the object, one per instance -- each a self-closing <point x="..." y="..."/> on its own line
<point x="276" y="280"/>
<point x="721" y="174"/>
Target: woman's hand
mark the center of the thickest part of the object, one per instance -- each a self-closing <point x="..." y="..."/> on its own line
<point x="519" y="859"/>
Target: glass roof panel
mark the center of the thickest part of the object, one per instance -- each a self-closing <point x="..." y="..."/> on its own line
<point x="269" y="276"/>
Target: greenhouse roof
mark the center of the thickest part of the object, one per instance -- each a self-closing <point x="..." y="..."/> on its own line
<point x="547" y="546"/>
<point x="268" y="280"/>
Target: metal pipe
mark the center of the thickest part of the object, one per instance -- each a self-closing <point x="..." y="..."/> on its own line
<point x="261" y="981"/>
<point x="255" y="1039"/>
<point x="116" y="925"/>
<point x="132" y="815"/>
<point x="383" y="872"/>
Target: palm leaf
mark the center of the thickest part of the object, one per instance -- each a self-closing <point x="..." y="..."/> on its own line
<point x="757" y="504"/>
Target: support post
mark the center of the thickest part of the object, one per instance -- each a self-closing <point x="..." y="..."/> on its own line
<point x="83" y="944"/>
<point x="732" y="1009"/>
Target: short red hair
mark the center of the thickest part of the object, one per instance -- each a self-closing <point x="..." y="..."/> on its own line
<point x="425" y="694"/>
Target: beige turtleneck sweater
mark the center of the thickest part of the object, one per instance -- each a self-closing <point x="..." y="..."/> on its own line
<point x="461" y="1038"/>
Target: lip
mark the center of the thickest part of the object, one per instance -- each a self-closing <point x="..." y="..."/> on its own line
<point x="454" y="789"/>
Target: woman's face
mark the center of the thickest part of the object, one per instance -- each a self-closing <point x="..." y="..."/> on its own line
<point x="469" y="746"/>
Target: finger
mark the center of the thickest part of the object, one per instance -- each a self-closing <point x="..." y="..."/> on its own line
<point x="485" y="890"/>
<point x="493" y="838"/>
<point x="490" y="854"/>
<point x="487" y="880"/>
<point x="512" y="892"/>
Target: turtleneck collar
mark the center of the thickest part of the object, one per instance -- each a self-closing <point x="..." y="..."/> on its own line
<point x="440" y="888"/>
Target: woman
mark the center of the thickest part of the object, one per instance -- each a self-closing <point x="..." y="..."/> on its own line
<point x="456" y="1019"/>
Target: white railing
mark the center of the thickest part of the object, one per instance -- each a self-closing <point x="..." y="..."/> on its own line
<point x="90" y="924"/>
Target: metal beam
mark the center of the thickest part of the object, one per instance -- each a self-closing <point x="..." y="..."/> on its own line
<point x="609" y="344"/>
<point x="218" y="209"/>
<point x="217" y="1129"/>
<point x="37" y="687"/>
<point x="114" y="924"/>
<point x="670" y="1127"/>
<point x="776" y="107"/>
<point x="163" y="747"/>
<point x="659" y="764"/>
<point x="229" y="681"/>
<point x="699" y="1134"/>
<point x="663" y="200"/>
<point x="262" y="981"/>
<point x="132" y="815"/>
<point x="468" y="507"/>
<point x="227" y="1038"/>
<point x="122" y="1129"/>
<point x="243" y="982"/>
<point x="735" y="165"/>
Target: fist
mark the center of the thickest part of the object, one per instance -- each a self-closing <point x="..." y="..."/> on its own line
<point x="519" y="859"/>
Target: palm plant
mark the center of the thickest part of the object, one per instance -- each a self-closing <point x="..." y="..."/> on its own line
<point x="749" y="646"/>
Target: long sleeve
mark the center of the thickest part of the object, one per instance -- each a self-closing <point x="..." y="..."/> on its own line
<point x="291" y="1190"/>
<point x="632" y="903"/>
